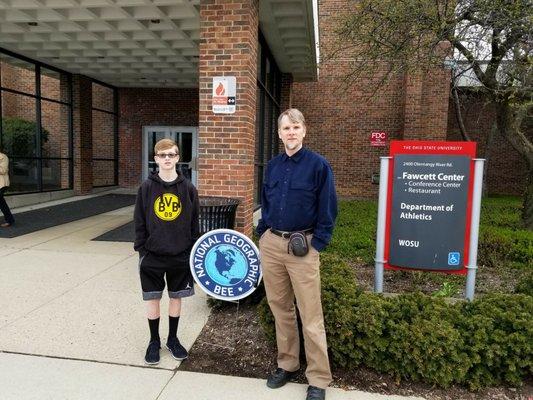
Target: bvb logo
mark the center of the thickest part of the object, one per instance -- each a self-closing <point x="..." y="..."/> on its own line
<point x="167" y="207"/>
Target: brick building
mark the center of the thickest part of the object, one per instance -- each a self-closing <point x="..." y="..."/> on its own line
<point x="95" y="85"/>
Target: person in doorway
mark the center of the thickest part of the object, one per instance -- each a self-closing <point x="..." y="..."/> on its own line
<point x="166" y="227"/>
<point x="299" y="208"/>
<point x="4" y="186"/>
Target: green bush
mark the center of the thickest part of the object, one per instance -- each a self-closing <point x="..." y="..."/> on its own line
<point x="502" y="246"/>
<point x="498" y="329"/>
<point x="419" y="337"/>
<point x="19" y="136"/>
<point x="423" y="338"/>
<point x="525" y="284"/>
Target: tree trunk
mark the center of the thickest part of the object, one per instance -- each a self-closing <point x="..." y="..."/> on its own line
<point x="488" y="148"/>
<point x="527" y="211"/>
<point x="510" y="126"/>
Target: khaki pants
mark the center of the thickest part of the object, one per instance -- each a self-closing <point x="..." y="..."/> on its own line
<point x="286" y="277"/>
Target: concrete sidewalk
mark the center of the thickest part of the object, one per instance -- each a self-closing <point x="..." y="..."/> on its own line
<point x="72" y="325"/>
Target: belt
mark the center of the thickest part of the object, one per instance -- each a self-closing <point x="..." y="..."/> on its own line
<point x="285" y="235"/>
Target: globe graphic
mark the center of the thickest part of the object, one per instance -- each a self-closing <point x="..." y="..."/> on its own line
<point x="225" y="265"/>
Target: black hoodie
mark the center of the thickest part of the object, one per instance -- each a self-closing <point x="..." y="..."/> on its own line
<point x="166" y="217"/>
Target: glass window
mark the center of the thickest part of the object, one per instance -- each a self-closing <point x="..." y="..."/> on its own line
<point x="55" y="85"/>
<point x="103" y="98"/>
<point x="19" y="126"/>
<point x="23" y="175"/>
<point x="56" y="174"/>
<point x="28" y="114"/>
<point x="267" y="111"/>
<point x="104" y="135"/>
<point x="55" y="133"/>
<point x="17" y="74"/>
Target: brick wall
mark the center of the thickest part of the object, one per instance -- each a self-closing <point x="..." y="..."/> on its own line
<point x="149" y="107"/>
<point x="506" y="169"/>
<point x="228" y="46"/>
<point x="340" y="119"/>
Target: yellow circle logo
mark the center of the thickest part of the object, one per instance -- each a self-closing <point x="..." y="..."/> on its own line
<point x="167" y="207"/>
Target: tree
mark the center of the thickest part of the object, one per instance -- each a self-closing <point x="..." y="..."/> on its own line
<point x="491" y="39"/>
<point x="19" y="136"/>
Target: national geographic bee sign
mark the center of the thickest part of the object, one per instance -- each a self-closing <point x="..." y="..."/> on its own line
<point x="225" y="264"/>
<point x="167" y="207"/>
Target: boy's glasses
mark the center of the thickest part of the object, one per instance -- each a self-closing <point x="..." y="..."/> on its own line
<point x="165" y="155"/>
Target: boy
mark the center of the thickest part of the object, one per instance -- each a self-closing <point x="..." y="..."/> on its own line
<point x="166" y="227"/>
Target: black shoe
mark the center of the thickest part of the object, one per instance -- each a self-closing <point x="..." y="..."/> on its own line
<point x="176" y="349"/>
<point x="279" y="378"/>
<point x="152" y="353"/>
<point x="315" y="393"/>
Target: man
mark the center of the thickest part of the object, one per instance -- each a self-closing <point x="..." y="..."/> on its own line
<point x="298" y="196"/>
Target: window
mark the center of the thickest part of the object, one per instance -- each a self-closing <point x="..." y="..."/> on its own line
<point x="105" y="135"/>
<point x="36" y="124"/>
<point x="267" y="109"/>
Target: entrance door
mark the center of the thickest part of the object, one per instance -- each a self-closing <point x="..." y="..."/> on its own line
<point x="186" y="137"/>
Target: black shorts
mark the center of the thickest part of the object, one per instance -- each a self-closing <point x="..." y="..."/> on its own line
<point x="153" y="269"/>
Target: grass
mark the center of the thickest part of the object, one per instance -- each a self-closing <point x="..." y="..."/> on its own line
<point x="504" y="245"/>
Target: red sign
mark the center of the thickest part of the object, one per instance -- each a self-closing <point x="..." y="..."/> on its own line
<point x="378" y="139"/>
<point x="429" y="205"/>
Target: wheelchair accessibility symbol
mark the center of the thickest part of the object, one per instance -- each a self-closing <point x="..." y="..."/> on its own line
<point x="453" y="258"/>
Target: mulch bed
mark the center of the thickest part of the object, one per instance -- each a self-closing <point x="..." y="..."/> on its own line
<point x="233" y="343"/>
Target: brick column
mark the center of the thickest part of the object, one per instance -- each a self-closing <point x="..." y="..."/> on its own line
<point x="82" y="135"/>
<point x="228" y="47"/>
<point x="426" y="105"/>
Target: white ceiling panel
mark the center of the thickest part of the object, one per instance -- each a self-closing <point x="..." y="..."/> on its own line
<point x="141" y="43"/>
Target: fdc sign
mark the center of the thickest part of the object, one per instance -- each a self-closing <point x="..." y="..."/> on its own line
<point x="225" y="264"/>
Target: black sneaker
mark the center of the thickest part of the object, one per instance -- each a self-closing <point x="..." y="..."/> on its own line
<point x="152" y="353"/>
<point x="279" y="377"/>
<point x="176" y="349"/>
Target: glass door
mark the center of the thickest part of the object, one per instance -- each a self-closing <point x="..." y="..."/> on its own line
<point x="187" y="140"/>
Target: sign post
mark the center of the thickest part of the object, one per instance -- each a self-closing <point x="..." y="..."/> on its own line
<point x="474" y="229"/>
<point x="382" y="214"/>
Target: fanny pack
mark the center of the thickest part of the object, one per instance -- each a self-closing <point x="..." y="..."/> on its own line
<point x="298" y="244"/>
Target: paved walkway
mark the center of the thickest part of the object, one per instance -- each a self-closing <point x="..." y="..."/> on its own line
<point x="72" y="325"/>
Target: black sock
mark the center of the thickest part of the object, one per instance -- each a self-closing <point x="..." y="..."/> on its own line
<point x="154" y="329"/>
<point x="173" y="326"/>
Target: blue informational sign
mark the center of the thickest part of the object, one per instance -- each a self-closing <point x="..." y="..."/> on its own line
<point x="225" y="264"/>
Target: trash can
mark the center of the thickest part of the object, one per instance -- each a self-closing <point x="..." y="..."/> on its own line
<point x="217" y="213"/>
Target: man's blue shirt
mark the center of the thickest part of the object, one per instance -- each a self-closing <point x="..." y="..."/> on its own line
<point x="299" y="193"/>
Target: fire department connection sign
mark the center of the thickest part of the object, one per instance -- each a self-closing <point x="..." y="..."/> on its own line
<point x="225" y="264"/>
<point x="430" y="188"/>
<point x="224" y="92"/>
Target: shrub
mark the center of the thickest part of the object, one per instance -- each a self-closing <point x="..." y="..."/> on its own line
<point x="525" y="284"/>
<point x="19" y="136"/>
<point x="500" y="246"/>
<point x="498" y="329"/>
<point x="419" y="337"/>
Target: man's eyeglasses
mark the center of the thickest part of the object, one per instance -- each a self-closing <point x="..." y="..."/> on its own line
<point x="165" y="155"/>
